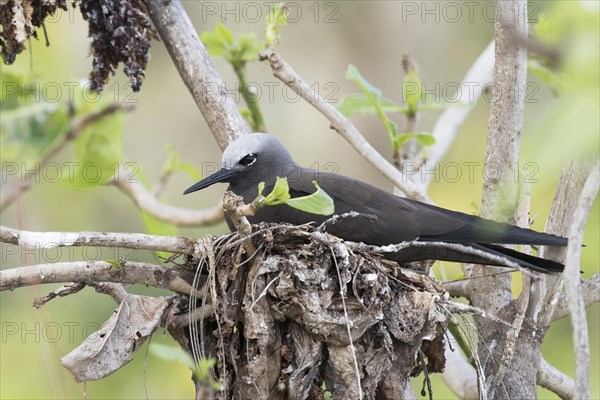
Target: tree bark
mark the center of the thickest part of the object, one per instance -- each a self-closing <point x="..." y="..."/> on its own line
<point x="197" y="71"/>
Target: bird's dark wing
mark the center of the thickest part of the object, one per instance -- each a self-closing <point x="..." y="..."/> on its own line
<point x="382" y="217"/>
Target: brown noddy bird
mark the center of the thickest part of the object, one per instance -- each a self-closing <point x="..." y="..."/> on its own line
<point x="371" y="215"/>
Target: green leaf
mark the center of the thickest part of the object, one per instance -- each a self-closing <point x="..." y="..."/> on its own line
<point x="115" y="263"/>
<point x="359" y="103"/>
<point x="430" y="104"/>
<point x="411" y="88"/>
<point x="174" y="164"/>
<point x="556" y="81"/>
<point x="202" y="371"/>
<point x="261" y="188"/>
<point x="374" y="96"/>
<point x="155" y="226"/>
<point x="424" y="139"/>
<point x="273" y="22"/>
<point x="98" y="152"/>
<point x="317" y="203"/>
<point x="213" y="44"/>
<point x="280" y="193"/>
<point x="249" y="46"/>
<point x="30" y="124"/>
<point x="224" y="34"/>
<point x="369" y="90"/>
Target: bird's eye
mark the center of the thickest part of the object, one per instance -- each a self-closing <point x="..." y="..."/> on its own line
<point x="248" y="160"/>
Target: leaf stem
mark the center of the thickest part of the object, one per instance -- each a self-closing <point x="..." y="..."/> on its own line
<point x="258" y="123"/>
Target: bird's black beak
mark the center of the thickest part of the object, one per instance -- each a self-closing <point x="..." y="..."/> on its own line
<point x="222" y="175"/>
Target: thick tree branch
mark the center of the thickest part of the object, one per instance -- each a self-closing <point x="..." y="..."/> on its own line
<point x="552" y="379"/>
<point x="147" y="202"/>
<point x="97" y="271"/>
<point x="284" y="72"/>
<point x="136" y="241"/>
<point x="575" y="299"/>
<point x="197" y="71"/>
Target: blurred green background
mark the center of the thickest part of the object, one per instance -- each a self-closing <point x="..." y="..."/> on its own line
<point x="323" y="39"/>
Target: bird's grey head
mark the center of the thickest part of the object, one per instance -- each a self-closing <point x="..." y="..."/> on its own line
<point x="255" y="150"/>
<point x="250" y="159"/>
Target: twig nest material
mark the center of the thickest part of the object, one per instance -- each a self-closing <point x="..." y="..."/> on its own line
<point x="308" y="312"/>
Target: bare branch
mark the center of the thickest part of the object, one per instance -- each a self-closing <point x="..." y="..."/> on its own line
<point x="137" y="241"/>
<point x="62" y="291"/>
<point x="575" y="299"/>
<point x="546" y="291"/>
<point x="341" y="124"/>
<point x="552" y="379"/>
<point x="146" y="201"/>
<point x="197" y="71"/>
<point x="97" y="271"/>
<point x="448" y="124"/>
<point x="18" y="187"/>
<point x="591" y="295"/>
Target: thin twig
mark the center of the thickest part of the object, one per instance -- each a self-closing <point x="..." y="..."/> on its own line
<point x="149" y="203"/>
<point x="341" y="124"/>
<point x="572" y="278"/>
<point x="62" y="291"/>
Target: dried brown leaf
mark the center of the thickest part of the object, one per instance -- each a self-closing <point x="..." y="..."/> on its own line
<point x="110" y="348"/>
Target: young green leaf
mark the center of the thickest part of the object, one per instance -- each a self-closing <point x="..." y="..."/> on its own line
<point x="261" y="188"/>
<point x="317" y="203"/>
<point x="224" y="34"/>
<point x="411" y="87"/>
<point x="369" y="90"/>
<point x="155" y="226"/>
<point x="174" y="164"/>
<point x="275" y="20"/>
<point x="280" y="193"/>
<point x="97" y="152"/>
<point x="30" y="124"/>
<point x="374" y="96"/>
<point x="359" y="103"/>
<point x="202" y="371"/>
<point x="424" y="139"/>
<point x="249" y="46"/>
<point x="556" y="81"/>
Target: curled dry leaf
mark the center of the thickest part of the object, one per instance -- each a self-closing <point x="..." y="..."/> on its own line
<point x="110" y="348"/>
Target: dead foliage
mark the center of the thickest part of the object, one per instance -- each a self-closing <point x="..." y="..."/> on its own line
<point x="307" y="314"/>
<point x="120" y="32"/>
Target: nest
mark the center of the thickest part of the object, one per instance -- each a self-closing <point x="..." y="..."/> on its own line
<point x="308" y="314"/>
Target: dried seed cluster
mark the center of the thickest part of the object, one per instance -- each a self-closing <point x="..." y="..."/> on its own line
<point x="120" y="30"/>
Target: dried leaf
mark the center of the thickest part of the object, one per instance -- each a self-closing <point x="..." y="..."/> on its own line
<point x="110" y="348"/>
